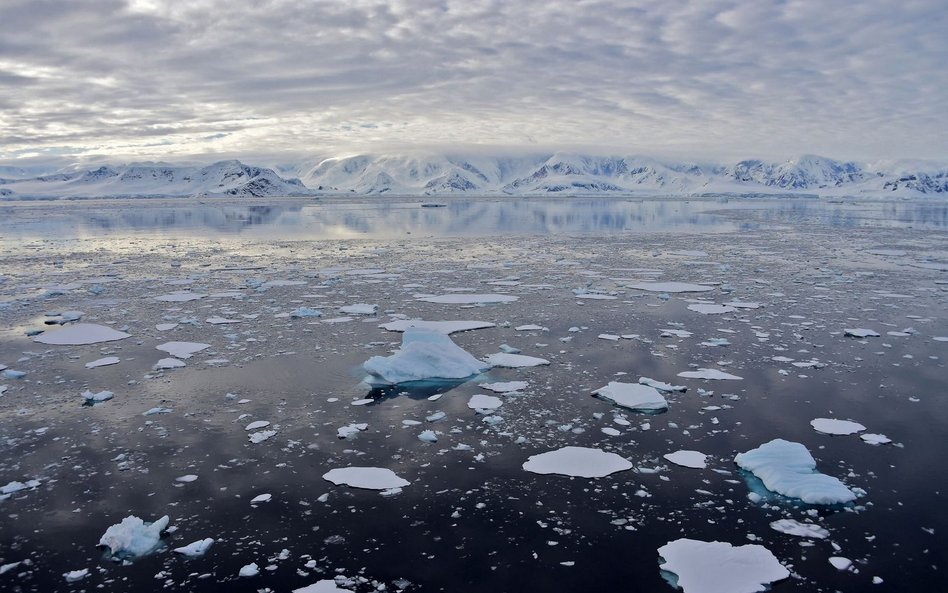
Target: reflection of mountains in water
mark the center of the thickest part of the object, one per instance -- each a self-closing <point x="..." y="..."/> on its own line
<point x="228" y="219"/>
<point x="851" y="215"/>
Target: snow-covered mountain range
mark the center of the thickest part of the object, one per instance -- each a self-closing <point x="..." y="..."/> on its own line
<point x="434" y="174"/>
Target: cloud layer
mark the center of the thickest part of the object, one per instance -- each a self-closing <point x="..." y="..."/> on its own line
<point x="716" y="78"/>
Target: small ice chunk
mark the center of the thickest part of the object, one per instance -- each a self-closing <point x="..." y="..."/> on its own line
<point x="94" y="398"/>
<point x="323" y="586"/>
<point x="221" y="320"/>
<point x="103" y="362"/>
<point x="257" y="424"/>
<point x="530" y="327"/>
<point x="505" y="387"/>
<point x="428" y="436"/>
<point x="350" y="430"/>
<point x="514" y="361"/>
<point x="787" y="468"/>
<point x="303" y="312"/>
<point x="479" y="401"/>
<point x="186" y="478"/>
<point x="840" y="563"/>
<point x="661" y="386"/>
<point x="182" y="349"/>
<point x="633" y="396"/>
<point x="260" y="498"/>
<point x="581" y="462"/>
<point x="360" y="309"/>
<point x="861" y="332"/>
<point x="370" y="478"/>
<point x="195" y="549"/>
<point x="424" y="354"/>
<point x="168" y="363"/>
<point x="798" y="529"/>
<point x="711" y="308"/>
<point x="81" y="334"/>
<point x="443" y="327"/>
<point x="249" y="570"/>
<point x="719" y="567"/>
<point x="692" y="459"/>
<point x="133" y="537"/>
<point x="468" y="299"/>
<point x="713" y="374"/>
<point x="838" y="427"/>
<point x="76" y="575"/>
<point x="259" y="437"/>
<point x="673" y="287"/>
<point x="875" y="439"/>
<point x="163" y="327"/>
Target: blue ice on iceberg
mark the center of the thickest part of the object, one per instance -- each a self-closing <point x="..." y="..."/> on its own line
<point x="787" y="468"/>
<point x="424" y="354"/>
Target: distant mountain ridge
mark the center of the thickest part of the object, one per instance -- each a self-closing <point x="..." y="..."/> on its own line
<point x="434" y="174"/>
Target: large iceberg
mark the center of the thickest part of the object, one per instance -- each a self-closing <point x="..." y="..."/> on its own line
<point x="787" y="468"/>
<point x="719" y="567"/>
<point x="425" y="354"/>
<point x="133" y="537"/>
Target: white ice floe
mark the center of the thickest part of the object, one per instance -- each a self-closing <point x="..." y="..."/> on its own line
<point x="103" y="362"/>
<point x="677" y="333"/>
<point x="424" y="354"/>
<point x="468" y="299"/>
<point x="594" y="296"/>
<point x="261" y="498"/>
<point x="672" y="287"/>
<point x="163" y="327"/>
<point x="743" y="304"/>
<point x="833" y="426"/>
<point x="186" y="479"/>
<point x="711" y="308"/>
<point x="182" y="349"/>
<point x="249" y="570"/>
<point x="530" y="327"/>
<point x="370" y="478"/>
<point x="257" y="424"/>
<point x="719" y="567"/>
<point x="180" y="297"/>
<point x="195" y="549"/>
<point x="349" y="430"/>
<point x="787" y="468"/>
<point x="15" y="486"/>
<point x="221" y="321"/>
<point x="443" y="327"/>
<point x="580" y="462"/>
<point x="480" y="401"/>
<point x="514" y="361"/>
<point x="428" y="436"/>
<point x="303" y="312"/>
<point x="875" y="439"/>
<point x="661" y="386"/>
<point x="861" y="332"/>
<point x="3" y="389"/>
<point x="76" y="575"/>
<point x="133" y="537"/>
<point x="259" y="437"/>
<point x="798" y="529"/>
<point x="692" y="459"/>
<point x="360" y="309"/>
<point x="323" y="586"/>
<point x="81" y="334"/>
<point x="168" y="363"/>
<point x="158" y="410"/>
<point x="633" y="396"/>
<point x="94" y="398"/>
<point x="840" y="563"/>
<point x="713" y="374"/>
<point x="505" y="387"/>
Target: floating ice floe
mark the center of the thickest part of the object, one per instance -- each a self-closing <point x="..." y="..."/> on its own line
<point x="428" y="436"/>
<point x="711" y="308"/>
<point x="221" y="321"/>
<point x="838" y="427"/>
<point x="360" y="309"/>
<point x="692" y="459"/>
<point x="76" y="575"/>
<point x="633" y="396"/>
<point x="369" y="478"/>
<point x="787" y="468"/>
<point x="195" y="549"/>
<point x="260" y="498"/>
<point x="530" y="327"/>
<point x="712" y="374"/>
<point x="163" y="327"/>
<point x="580" y="462"/>
<point x="424" y="354"/>
<point x="186" y="479"/>
<point x="443" y="327"/>
<point x="840" y="562"/>
<point x="15" y="486"/>
<point x="595" y="296"/>
<point x="795" y="528"/>
<point x="479" y="401"/>
<point x="861" y="332"/>
<point x="505" y="387"/>
<point x="168" y="363"/>
<point x="259" y="437"/>
<point x="303" y="312"/>
<point x="350" y="430"/>
<point x="158" y="410"/>
<point x="672" y="287"/>
<point x="323" y="586"/>
<point x="743" y="305"/>
<point x="249" y="570"/>
<point x="94" y="398"/>
<point x="81" y="334"/>
<point x="514" y="361"/>
<point x="133" y="537"/>
<point x="875" y="439"/>
<point x="182" y="349"/>
<point x="469" y="299"/>
<point x="257" y="424"/>
<point x="103" y="362"/>
<point x="719" y="567"/>
<point x="180" y="297"/>
<point x="661" y="386"/>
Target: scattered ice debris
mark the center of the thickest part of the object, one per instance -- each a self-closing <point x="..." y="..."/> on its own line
<point x="94" y="398"/>
<point x="81" y="334"/>
<point x="428" y="436"/>
<point x="837" y="427"/>
<point x="468" y="299"/>
<point x="76" y="575"/>
<point x="719" y="567"/>
<point x="14" y="487"/>
<point x="182" y="349"/>
<point x="350" y="430"/>
<point x="444" y="327"/>
<point x="861" y="333"/>
<point x="103" y="362"/>
<point x="514" y="361"/>
<point x="505" y="387"/>
<point x="673" y="287"/>
<point x="692" y="459"/>
<point x="424" y="354"/>
<point x="677" y="333"/>
<point x="168" y="363"/>
<point x="711" y="308"/>
<point x="221" y="321"/>
<point x="158" y="410"/>
<point x="133" y="537"/>
<point x="370" y="478"/>
<point x="661" y="386"/>
<point x="580" y="462"/>
<point x="713" y="374"/>
<point x="325" y="585"/>
<point x="840" y="563"/>
<point x="530" y="327"/>
<point x="195" y="549"/>
<point x="163" y="327"/>
<point x="180" y="297"/>
<point x="186" y="479"/>
<point x="303" y="312"/>
<point x="259" y="437"/>
<point x="484" y="402"/>
<point x="743" y="304"/>
<point x="260" y="498"/>
<point x="360" y="309"/>
<point x="609" y="337"/>
<point x="787" y="468"/>
<point x="249" y="570"/>
<point x="633" y="396"/>
<point x="875" y="439"/>
<point x="257" y="424"/>
<point x="791" y="527"/>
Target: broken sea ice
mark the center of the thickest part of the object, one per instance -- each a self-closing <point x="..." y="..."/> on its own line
<point x="424" y="354"/>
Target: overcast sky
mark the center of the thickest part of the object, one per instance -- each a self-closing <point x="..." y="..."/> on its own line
<point x="716" y="79"/>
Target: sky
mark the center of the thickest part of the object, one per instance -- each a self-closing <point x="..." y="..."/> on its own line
<point x="716" y="79"/>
